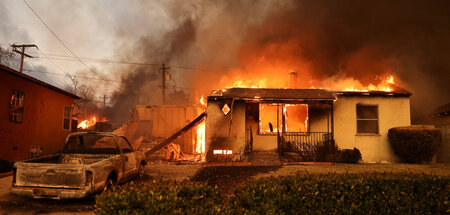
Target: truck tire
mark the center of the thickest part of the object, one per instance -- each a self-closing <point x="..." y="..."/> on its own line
<point x="108" y="184"/>
<point x="141" y="171"/>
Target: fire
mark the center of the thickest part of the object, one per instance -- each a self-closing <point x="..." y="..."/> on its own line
<point x="200" y="138"/>
<point x="249" y="84"/>
<point x="200" y="148"/>
<point x="85" y="124"/>
<point x="385" y="85"/>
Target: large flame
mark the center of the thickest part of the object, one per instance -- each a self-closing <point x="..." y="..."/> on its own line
<point x="88" y="123"/>
<point x="385" y="85"/>
<point x="200" y="138"/>
<point x="338" y="84"/>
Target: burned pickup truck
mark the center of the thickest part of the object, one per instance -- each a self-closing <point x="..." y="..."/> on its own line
<point x="89" y="163"/>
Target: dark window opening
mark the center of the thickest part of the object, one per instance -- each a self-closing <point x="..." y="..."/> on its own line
<point x="16" y="106"/>
<point x="367" y="119"/>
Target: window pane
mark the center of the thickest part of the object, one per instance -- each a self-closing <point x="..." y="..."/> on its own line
<point x="16" y="106"/>
<point x="66" y="124"/>
<point x="123" y="144"/>
<point x="367" y="126"/>
<point x="67" y="111"/>
<point x="366" y="112"/>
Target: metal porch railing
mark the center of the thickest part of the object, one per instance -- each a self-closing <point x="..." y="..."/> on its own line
<point x="306" y="144"/>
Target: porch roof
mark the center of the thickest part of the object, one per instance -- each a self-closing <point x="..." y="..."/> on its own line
<point x="274" y="94"/>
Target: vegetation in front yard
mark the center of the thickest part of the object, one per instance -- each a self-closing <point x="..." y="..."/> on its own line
<point x="415" y="144"/>
<point x="168" y="197"/>
<point x="299" y="194"/>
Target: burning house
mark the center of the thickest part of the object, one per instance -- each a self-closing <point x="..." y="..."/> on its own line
<point x="244" y="121"/>
<point x="36" y="117"/>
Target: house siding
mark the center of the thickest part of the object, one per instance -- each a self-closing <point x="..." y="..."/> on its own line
<point x="392" y="112"/>
<point x="42" y="123"/>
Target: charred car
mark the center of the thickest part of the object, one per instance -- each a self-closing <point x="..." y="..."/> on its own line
<point x="89" y="163"/>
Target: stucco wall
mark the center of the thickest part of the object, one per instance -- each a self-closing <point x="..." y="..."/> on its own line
<point x="392" y="112"/>
<point x="218" y="134"/>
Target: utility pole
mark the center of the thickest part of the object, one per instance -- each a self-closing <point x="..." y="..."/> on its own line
<point x="22" y="52"/>
<point x="104" y="97"/>
<point x="163" y="84"/>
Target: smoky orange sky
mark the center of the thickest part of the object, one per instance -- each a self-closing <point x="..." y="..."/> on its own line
<point x="210" y="44"/>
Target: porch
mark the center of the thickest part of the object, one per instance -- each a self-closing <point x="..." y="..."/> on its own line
<point x="287" y="122"/>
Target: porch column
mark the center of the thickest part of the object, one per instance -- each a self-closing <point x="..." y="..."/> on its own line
<point x="332" y="121"/>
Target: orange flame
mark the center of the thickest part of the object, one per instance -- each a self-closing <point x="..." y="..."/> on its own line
<point x="85" y="124"/>
<point x="385" y="85"/>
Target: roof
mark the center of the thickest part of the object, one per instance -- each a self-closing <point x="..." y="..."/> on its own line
<point x="36" y="81"/>
<point x="402" y="93"/>
<point x="284" y="94"/>
<point x="273" y="94"/>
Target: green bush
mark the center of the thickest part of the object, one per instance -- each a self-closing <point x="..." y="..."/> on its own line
<point x="415" y="144"/>
<point x="345" y="194"/>
<point x="298" y="194"/>
<point x="168" y="197"/>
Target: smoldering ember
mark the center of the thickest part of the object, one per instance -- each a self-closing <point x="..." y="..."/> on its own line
<point x="224" y="107"/>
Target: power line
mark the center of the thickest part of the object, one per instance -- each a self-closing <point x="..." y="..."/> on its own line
<point x="66" y="57"/>
<point x="84" y="77"/>
<point x="65" y="46"/>
<point x="66" y="73"/>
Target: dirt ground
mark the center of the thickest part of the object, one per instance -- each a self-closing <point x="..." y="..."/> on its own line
<point x="226" y="177"/>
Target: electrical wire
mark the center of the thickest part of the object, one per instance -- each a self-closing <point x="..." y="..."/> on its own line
<point x="65" y="46"/>
<point x="66" y="57"/>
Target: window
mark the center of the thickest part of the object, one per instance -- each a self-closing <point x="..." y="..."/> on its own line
<point x="296" y="117"/>
<point x="367" y="119"/>
<point x="16" y="106"/>
<point x="67" y="117"/>
<point x="124" y="145"/>
<point x="268" y="118"/>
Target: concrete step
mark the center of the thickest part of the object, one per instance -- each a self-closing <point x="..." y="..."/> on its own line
<point x="265" y="159"/>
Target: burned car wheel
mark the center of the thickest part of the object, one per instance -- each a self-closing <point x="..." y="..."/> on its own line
<point x="108" y="184"/>
<point x="141" y="171"/>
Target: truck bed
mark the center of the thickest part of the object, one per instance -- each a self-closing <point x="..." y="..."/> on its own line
<point x="71" y="159"/>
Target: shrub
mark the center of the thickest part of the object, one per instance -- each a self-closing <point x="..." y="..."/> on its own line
<point x="345" y="194"/>
<point x="329" y="152"/>
<point x="348" y="156"/>
<point x="168" y="197"/>
<point x="415" y="144"/>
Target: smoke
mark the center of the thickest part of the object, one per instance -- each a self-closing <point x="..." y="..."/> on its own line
<point x="321" y="40"/>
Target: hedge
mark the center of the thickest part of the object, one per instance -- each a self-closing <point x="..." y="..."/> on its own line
<point x="168" y="197"/>
<point x="299" y="194"/>
<point x="346" y="194"/>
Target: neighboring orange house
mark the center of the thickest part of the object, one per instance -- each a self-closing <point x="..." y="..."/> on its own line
<point x="35" y="117"/>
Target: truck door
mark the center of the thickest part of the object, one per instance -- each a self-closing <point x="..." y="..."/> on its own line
<point x="129" y="158"/>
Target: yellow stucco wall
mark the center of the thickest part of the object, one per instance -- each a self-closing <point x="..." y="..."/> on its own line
<point x="392" y="112"/>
